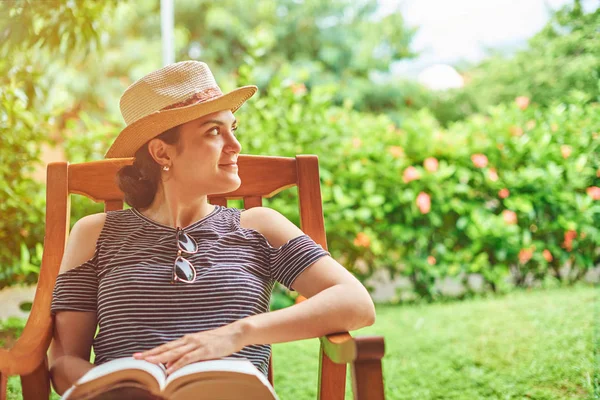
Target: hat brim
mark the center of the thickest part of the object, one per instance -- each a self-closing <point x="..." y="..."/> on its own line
<point x="135" y="135"/>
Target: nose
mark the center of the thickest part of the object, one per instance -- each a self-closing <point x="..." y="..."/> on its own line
<point x="233" y="144"/>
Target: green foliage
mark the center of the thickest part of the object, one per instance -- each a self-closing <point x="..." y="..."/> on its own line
<point x="11" y="329"/>
<point x="311" y="85"/>
<point x="280" y="298"/>
<point x="561" y="63"/>
<point x="61" y="26"/>
<point x="33" y="36"/>
<point x="21" y="202"/>
<point x="334" y="42"/>
<point x="12" y="326"/>
<point x="372" y="217"/>
<point x="60" y="90"/>
<point x="333" y="38"/>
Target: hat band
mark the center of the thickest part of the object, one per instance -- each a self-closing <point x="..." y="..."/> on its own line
<point x="199" y="97"/>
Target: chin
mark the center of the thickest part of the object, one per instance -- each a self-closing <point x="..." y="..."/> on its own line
<point x="230" y="185"/>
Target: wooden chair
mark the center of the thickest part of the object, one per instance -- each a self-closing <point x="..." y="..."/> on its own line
<point x="262" y="177"/>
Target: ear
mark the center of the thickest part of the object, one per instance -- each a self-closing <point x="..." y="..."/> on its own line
<point x="160" y="151"/>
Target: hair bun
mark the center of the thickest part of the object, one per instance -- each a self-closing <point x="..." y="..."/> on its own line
<point x="131" y="171"/>
<point x="139" y="192"/>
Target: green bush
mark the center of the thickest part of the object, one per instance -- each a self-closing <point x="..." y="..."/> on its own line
<point x="36" y="43"/>
<point x="21" y="197"/>
<point x="373" y="218"/>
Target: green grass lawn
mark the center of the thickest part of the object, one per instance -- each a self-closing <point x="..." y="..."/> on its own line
<point x="527" y="345"/>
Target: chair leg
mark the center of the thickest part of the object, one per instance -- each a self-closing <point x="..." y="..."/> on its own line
<point x="36" y="386"/>
<point x="367" y="380"/>
<point x="332" y="378"/>
<point x="3" y="385"/>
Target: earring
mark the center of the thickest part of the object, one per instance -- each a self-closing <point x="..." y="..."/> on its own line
<point x="165" y="168"/>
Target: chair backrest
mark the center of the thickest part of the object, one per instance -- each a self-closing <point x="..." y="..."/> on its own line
<point x="261" y="176"/>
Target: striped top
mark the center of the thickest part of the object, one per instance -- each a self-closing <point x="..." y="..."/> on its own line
<point x="127" y="281"/>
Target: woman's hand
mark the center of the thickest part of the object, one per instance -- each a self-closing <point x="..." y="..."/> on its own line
<point x="206" y="345"/>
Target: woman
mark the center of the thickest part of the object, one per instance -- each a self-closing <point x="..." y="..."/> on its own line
<point x="174" y="279"/>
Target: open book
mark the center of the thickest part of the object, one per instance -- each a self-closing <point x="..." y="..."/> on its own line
<point x="224" y="379"/>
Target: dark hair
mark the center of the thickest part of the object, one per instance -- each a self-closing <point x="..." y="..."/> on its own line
<point x="139" y="181"/>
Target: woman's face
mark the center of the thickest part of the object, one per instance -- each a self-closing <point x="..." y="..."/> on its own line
<point x="206" y="144"/>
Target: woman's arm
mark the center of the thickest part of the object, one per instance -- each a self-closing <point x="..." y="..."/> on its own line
<point x="336" y="300"/>
<point x="339" y="308"/>
<point x="74" y="331"/>
<point x="70" y="349"/>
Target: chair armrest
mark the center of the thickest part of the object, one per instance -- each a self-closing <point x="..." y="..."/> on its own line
<point x="342" y="348"/>
<point x="364" y="354"/>
<point x="31" y="347"/>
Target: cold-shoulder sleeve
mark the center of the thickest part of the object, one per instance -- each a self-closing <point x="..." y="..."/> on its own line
<point x="76" y="289"/>
<point x="291" y="259"/>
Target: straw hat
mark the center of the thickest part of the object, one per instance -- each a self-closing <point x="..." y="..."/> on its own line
<point x="171" y="96"/>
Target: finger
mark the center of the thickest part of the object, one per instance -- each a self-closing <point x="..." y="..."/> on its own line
<point x="171" y="355"/>
<point x="182" y="354"/>
<point x="159" y="357"/>
<point x="196" y="355"/>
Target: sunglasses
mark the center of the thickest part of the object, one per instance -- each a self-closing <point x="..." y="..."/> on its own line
<point x="183" y="270"/>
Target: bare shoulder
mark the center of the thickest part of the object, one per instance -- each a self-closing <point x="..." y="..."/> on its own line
<point x="81" y="244"/>
<point x="273" y="225"/>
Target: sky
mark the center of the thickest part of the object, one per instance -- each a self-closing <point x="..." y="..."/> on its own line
<point x="454" y="30"/>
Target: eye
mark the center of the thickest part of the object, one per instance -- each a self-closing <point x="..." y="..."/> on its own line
<point x="215" y="131"/>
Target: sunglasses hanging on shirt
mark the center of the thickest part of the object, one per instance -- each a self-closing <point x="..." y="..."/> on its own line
<point x="183" y="270"/>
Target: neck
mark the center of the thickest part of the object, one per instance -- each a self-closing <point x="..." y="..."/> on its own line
<point x="174" y="209"/>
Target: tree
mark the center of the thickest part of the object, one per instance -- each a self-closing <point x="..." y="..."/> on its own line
<point x="33" y="35"/>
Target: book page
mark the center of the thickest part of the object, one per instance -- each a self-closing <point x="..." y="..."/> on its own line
<point x="226" y="378"/>
<point x="238" y="365"/>
<point x="119" y="364"/>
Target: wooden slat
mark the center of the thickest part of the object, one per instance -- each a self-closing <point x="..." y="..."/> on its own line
<point x="218" y="201"/>
<point x="367" y="380"/>
<point x="365" y="354"/>
<point x="3" y="385"/>
<point x="332" y="376"/>
<point x="30" y="349"/>
<point x="252" y="201"/>
<point x="309" y="198"/>
<point x="331" y="386"/>
<point x="367" y="374"/>
<point x="113" y="205"/>
<point x="264" y="176"/>
<point x="36" y="386"/>
<point x="369" y="348"/>
<point x="95" y="179"/>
